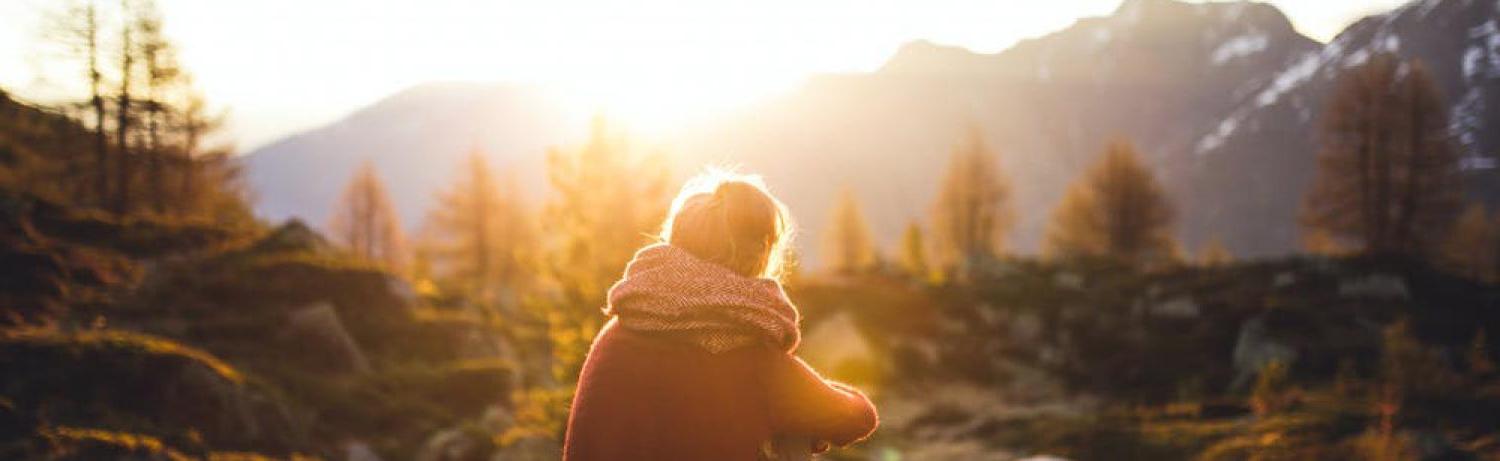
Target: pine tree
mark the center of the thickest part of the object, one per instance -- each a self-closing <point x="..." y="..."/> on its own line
<point x="1214" y="253"/>
<point x="847" y="246"/>
<point x="1470" y="248"/>
<point x="1116" y="211"/>
<point x="480" y="234"/>
<point x="364" y="221"/>
<point x="972" y="214"/>
<point x="1387" y="174"/>
<point x="914" y="253"/>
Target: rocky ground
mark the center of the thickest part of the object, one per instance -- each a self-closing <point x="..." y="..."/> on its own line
<point x="147" y="339"/>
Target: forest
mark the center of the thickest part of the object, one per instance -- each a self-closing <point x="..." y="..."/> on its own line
<point x="147" y="312"/>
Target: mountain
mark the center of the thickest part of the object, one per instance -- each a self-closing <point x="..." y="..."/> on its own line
<point x="1220" y="98"/>
<point x="1255" y="163"/>
<point x="416" y="139"/>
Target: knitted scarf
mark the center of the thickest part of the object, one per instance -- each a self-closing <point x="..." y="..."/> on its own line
<point x="669" y="291"/>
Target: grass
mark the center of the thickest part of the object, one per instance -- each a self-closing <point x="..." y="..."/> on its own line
<point x="113" y="343"/>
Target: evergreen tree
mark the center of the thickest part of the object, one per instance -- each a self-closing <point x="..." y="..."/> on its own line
<point x="159" y="122"/>
<point x="607" y="201"/>
<point x="1214" y="253"/>
<point x="480" y="234"/>
<point x="1470" y="248"/>
<point x="1116" y="211"/>
<point x="847" y="246"/>
<point x="972" y="214"/>
<point x="914" y="252"/>
<point x="1387" y="174"/>
<point x="364" y="221"/>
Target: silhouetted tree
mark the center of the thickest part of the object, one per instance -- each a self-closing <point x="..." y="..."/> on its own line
<point x="364" y="221"/>
<point x="158" y="56"/>
<point x="1116" y="211"/>
<point x="1470" y="248"/>
<point x="480" y="234"/>
<point x="847" y="246"/>
<point x="914" y="252"/>
<point x="78" y="27"/>
<point x="124" y="111"/>
<point x="1388" y="175"/>
<point x="972" y="214"/>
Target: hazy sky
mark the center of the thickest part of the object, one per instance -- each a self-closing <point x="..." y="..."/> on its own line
<point x="285" y="65"/>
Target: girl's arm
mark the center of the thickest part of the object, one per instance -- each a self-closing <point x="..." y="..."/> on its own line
<point x="803" y="403"/>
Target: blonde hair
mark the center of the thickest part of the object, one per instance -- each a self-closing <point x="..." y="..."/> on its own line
<point x="733" y="220"/>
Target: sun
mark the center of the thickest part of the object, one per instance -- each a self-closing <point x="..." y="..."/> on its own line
<point x="669" y="96"/>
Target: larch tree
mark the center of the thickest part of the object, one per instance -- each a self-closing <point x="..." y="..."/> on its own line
<point x="148" y="123"/>
<point x="972" y="214"/>
<point x="607" y="201"/>
<point x="1471" y="246"/>
<point x="364" y="221"/>
<point x="1387" y="172"/>
<point x="125" y="112"/>
<point x="847" y="245"/>
<point x="78" y="28"/>
<point x="914" y="252"/>
<point x="158" y="56"/>
<point x="1214" y="253"/>
<point x="1117" y="211"/>
<point x="480" y="233"/>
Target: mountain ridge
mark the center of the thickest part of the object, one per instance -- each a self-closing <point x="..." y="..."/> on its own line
<point x="1168" y="75"/>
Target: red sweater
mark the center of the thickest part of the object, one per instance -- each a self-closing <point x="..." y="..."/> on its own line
<point x="647" y="398"/>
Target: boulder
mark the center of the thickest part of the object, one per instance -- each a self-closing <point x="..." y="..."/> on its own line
<point x="1182" y="307"/>
<point x="318" y="327"/>
<point x="292" y="236"/>
<point x="1255" y="348"/>
<point x="1375" y="286"/>
<point x="355" y="450"/>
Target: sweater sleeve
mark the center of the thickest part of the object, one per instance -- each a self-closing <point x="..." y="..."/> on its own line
<point x="803" y="403"/>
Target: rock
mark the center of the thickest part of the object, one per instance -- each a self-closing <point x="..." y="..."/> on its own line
<point x="1375" y="286"/>
<point x="355" y="450"/>
<point x="496" y="419"/>
<point x="318" y="324"/>
<point x="534" y="448"/>
<point x="292" y="236"/>
<point x="1283" y="280"/>
<point x="837" y="341"/>
<point x="401" y="289"/>
<point x="1182" y="307"/>
<point x="1255" y="348"/>
<point x="449" y="445"/>
<point x="1025" y="328"/>
<point x="1067" y="280"/>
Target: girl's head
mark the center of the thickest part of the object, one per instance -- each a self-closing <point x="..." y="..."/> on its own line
<point x="731" y="219"/>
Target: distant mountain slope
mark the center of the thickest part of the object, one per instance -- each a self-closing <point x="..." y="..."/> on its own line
<point x="1254" y="165"/>
<point x="1157" y="72"/>
<point x="416" y="139"/>
<point x="1221" y="98"/>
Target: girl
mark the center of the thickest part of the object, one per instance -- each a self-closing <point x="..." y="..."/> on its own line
<point x="696" y="360"/>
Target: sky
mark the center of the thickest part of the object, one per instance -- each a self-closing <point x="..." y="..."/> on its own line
<point x="282" y="66"/>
